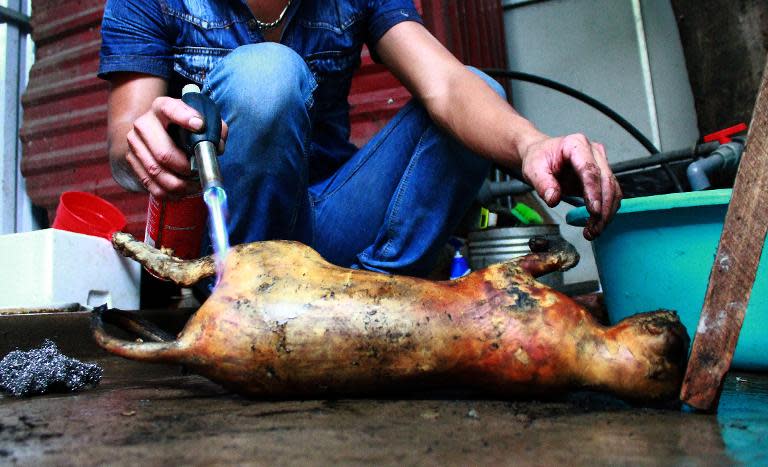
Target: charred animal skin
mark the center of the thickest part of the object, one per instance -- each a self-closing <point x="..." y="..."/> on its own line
<point x="283" y="322"/>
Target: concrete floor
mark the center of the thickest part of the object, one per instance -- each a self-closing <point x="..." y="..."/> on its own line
<point x="148" y="415"/>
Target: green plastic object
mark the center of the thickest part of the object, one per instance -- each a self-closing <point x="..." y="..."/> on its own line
<point x="658" y="253"/>
<point x="482" y="222"/>
<point x="526" y="214"/>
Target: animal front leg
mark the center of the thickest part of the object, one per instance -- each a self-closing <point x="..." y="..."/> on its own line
<point x="547" y="256"/>
<point x="182" y="272"/>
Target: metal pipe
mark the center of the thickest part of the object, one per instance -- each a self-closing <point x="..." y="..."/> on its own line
<point x="14" y="18"/>
<point x="726" y="157"/>
<point x="492" y="190"/>
<point x="207" y="165"/>
<point x="698" y="171"/>
<point x="645" y="162"/>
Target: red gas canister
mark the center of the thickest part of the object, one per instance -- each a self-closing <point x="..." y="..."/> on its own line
<point x="177" y="224"/>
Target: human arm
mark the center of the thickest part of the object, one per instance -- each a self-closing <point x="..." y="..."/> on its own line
<point x="136" y="58"/>
<point x="460" y="102"/>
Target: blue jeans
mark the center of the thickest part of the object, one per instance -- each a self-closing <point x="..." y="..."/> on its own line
<point x="391" y="207"/>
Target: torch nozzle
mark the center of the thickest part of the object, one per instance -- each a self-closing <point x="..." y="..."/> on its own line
<point x="206" y="163"/>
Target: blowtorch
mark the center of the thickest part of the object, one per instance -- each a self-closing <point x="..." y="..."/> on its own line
<point x="204" y="145"/>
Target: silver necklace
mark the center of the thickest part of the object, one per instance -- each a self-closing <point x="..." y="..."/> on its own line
<point x="275" y="23"/>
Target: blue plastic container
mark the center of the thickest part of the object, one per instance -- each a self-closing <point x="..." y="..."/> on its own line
<point x="658" y="253"/>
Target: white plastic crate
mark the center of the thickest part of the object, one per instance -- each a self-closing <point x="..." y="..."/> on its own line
<point x="54" y="267"/>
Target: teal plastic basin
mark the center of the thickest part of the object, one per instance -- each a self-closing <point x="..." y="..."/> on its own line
<point x="658" y="253"/>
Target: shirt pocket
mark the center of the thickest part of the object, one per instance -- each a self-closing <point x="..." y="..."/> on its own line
<point x="202" y="14"/>
<point x="204" y="33"/>
<point x="332" y="41"/>
<point x="195" y="63"/>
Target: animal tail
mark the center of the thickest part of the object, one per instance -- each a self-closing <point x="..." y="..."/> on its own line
<point x="161" y="351"/>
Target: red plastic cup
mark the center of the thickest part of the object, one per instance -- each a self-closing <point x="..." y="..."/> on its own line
<point x="88" y="214"/>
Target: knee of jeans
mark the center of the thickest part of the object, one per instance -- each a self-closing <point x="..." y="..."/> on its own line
<point x="489" y="81"/>
<point x="262" y="78"/>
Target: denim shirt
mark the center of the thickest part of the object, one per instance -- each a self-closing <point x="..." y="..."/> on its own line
<point x="182" y="40"/>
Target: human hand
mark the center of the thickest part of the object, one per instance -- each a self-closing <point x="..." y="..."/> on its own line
<point x="161" y="167"/>
<point x="573" y="165"/>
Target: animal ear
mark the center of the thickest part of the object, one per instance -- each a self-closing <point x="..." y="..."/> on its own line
<point x="547" y="256"/>
<point x="163" y="265"/>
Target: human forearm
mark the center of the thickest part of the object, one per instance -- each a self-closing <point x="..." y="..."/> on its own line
<point x="487" y="124"/>
<point x="463" y="104"/>
<point x="482" y="120"/>
<point x="457" y="99"/>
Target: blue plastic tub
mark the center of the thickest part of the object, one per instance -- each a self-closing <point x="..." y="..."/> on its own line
<point x="658" y="253"/>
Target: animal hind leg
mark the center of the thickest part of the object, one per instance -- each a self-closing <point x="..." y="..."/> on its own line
<point x="182" y="272"/>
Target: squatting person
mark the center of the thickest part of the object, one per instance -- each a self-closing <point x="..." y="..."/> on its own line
<point x="280" y="72"/>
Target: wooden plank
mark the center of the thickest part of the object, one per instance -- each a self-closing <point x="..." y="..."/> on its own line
<point x="733" y="273"/>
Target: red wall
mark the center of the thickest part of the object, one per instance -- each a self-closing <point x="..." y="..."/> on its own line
<point x="64" y="129"/>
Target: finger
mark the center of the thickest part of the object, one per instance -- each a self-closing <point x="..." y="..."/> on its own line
<point x="224" y="134"/>
<point x="617" y="198"/>
<point x="540" y="172"/>
<point x="617" y="194"/>
<point x="159" y="143"/>
<point x="169" y="110"/>
<point x="607" y="185"/>
<point x="141" y="174"/>
<point x="578" y="150"/>
<point x="589" y="229"/>
<point x="169" y="183"/>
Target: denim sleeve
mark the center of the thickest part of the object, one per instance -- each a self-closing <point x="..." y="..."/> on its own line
<point x="384" y="15"/>
<point x="134" y="38"/>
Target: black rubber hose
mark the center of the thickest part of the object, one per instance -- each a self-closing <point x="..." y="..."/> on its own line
<point x="592" y="102"/>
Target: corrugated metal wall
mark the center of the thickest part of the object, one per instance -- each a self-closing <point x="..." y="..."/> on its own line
<point x="65" y="113"/>
<point x="65" y="110"/>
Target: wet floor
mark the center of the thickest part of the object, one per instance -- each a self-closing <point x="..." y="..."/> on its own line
<point x="148" y="415"/>
<point x="743" y="418"/>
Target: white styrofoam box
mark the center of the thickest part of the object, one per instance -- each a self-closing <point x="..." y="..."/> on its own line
<point x="53" y="267"/>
